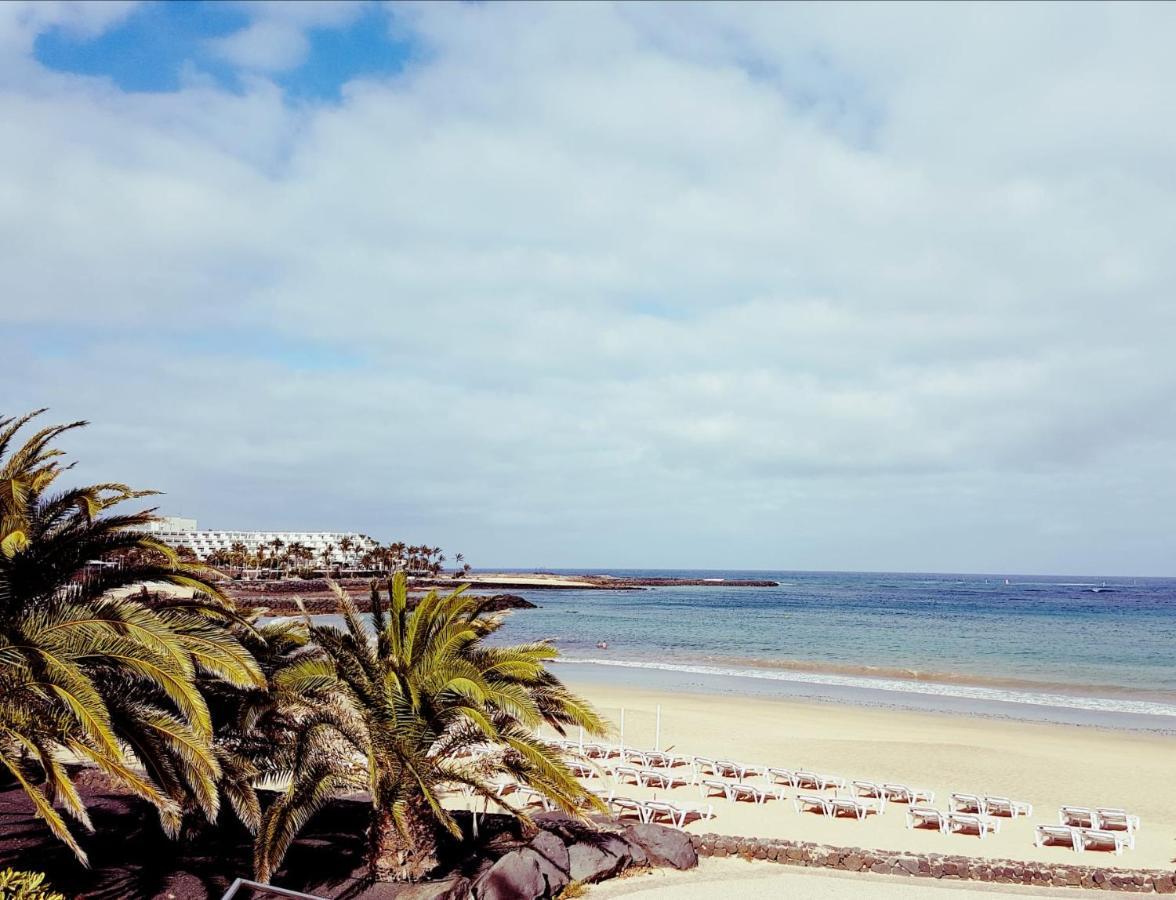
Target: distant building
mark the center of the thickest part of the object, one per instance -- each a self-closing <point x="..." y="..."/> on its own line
<point x="180" y="533"/>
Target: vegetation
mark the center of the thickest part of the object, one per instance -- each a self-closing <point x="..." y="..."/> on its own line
<point x="16" y="885"/>
<point x="277" y="556"/>
<point x="89" y="668"/>
<point x="428" y="704"/>
<point x="190" y="705"/>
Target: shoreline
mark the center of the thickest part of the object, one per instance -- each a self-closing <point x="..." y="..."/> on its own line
<point x="1045" y="763"/>
<point x="957" y="697"/>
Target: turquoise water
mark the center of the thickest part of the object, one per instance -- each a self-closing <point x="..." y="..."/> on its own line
<point x="1094" y="644"/>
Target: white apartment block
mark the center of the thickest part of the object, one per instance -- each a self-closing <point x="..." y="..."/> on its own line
<point x="183" y="533"/>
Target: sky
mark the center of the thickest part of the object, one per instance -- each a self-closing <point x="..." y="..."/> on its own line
<point x="872" y="287"/>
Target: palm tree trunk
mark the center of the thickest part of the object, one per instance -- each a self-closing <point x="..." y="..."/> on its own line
<point x="398" y="857"/>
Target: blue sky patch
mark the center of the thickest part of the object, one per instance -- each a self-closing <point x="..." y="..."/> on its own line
<point x="149" y="50"/>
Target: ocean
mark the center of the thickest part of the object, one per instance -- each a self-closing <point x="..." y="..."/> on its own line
<point x="1085" y="650"/>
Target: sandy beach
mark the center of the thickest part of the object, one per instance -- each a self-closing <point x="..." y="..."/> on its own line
<point x="1048" y="765"/>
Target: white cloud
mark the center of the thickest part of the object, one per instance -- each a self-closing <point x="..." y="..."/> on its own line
<point x="727" y="285"/>
<point x="275" y="40"/>
<point x="265" y="45"/>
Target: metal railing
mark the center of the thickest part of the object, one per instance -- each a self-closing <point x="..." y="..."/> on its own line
<point x="267" y="888"/>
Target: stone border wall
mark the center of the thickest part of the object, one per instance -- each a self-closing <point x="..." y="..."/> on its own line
<point x="935" y="865"/>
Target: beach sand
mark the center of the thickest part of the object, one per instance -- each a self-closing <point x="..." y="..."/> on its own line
<point x="1045" y="764"/>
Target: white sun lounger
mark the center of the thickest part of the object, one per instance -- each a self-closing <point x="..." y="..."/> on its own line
<point x="1057" y="834"/>
<point x="727" y="768"/>
<point x="1115" y="819"/>
<point x="813" y="802"/>
<point x="922" y="816"/>
<point x="755" y="793"/>
<point x="635" y="756"/>
<point x="703" y="765"/>
<point x="627" y="774"/>
<point x="868" y="789"/>
<point x="661" y="778"/>
<point x="1003" y="806"/>
<point x="661" y="809"/>
<point x="1081" y="816"/>
<point x="817" y="781"/>
<point x="1100" y="837"/>
<point x="583" y="769"/>
<point x="782" y="776"/>
<point x="677" y="813"/>
<point x="660" y="759"/>
<point x="901" y="793"/>
<point x="707" y="787"/>
<point x="836" y="806"/>
<point x="628" y="804"/>
<point x="967" y="803"/>
<point x="534" y="797"/>
<point x="982" y="825"/>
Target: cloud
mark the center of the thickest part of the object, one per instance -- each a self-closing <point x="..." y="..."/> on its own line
<point x="714" y="285"/>
<point x="276" y="39"/>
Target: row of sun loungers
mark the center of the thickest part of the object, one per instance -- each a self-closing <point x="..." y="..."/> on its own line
<point x="986" y="805"/>
<point x="651" y="810"/>
<point x="648" y="777"/>
<point x="948" y="822"/>
<point x="836" y="806"/>
<point x="738" y="790"/>
<point x="1083" y="838"/>
<point x="1105" y="818"/>
<point x="646" y="759"/>
<point x="1079" y="827"/>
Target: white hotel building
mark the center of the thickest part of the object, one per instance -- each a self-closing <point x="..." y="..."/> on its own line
<point x="180" y="532"/>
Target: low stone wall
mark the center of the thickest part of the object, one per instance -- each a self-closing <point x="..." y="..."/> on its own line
<point x="935" y="865"/>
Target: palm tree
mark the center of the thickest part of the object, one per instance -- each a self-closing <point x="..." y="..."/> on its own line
<point x="258" y="731"/>
<point x="87" y="667"/>
<point x="345" y="547"/>
<point x="299" y="552"/>
<point x="240" y="554"/>
<point x="276" y="545"/>
<point x="425" y="688"/>
<point x="397" y="553"/>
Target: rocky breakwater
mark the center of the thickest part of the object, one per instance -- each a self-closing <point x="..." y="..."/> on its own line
<point x="935" y="865"/>
<point x="282" y="597"/>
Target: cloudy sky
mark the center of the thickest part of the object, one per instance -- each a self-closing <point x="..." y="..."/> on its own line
<point x="803" y="287"/>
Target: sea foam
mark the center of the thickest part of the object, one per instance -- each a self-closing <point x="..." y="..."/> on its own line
<point x="962" y="691"/>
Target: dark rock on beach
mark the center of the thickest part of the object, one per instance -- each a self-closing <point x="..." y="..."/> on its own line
<point x="663" y="846"/>
<point x="599" y="856"/>
<point x="516" y="876"/>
